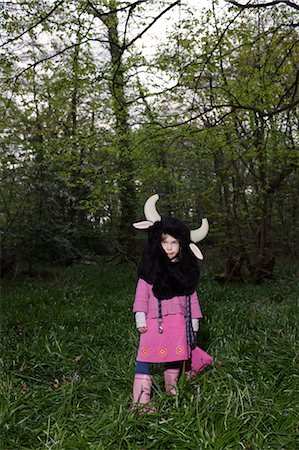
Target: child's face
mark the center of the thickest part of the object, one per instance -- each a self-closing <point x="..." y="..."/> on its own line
<point x="171" y="246"/>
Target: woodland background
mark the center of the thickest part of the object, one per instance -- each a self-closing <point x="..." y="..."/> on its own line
<point x="96" y="116"/>
<point x="102" y="104"/>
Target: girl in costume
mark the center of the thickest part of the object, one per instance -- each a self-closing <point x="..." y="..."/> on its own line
<point x="166" y="306"/>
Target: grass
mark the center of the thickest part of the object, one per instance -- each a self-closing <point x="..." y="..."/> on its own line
<point x="69" y="346"/>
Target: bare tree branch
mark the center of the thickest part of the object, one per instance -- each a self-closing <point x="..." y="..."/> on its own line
<point x="293" y="86"/>
<point x="138" y="36"/>
<point x="47" y="58"/>
<point x="41" y="20"/>
<point x="231" y="109"/>
<point x="263" y="5"/>
<point x="101" y="14"/>
<point x="286" y="107"/>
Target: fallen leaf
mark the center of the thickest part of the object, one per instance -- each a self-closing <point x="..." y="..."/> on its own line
<point x="55" y="384"/>
<point x="23" y="367"/>
<point x="78" y="358"/>
<point x="24" y="388"/>
<point x="75" y="376"/>
<point x="19" y="328"/>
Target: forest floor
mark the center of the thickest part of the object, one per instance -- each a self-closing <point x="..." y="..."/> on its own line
<point x="69" y="346"/>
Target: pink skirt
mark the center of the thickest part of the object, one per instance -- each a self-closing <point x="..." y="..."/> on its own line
<point x="171" y="345"/>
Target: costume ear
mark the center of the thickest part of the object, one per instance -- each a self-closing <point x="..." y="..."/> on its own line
<point x="144" y="225"/>
<point x="195" y="250"/>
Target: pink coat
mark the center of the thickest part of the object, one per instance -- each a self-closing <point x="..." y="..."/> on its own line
<point x="145" y="301"/>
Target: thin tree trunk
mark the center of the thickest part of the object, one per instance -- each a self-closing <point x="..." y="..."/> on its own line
<point x="126" y="178"/>
<point x="262" y="263"/>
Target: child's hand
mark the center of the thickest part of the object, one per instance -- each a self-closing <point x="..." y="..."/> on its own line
<point x="142" y="329"/>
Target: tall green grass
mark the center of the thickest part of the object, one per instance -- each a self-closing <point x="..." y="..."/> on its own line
<point x="68" y="352"/>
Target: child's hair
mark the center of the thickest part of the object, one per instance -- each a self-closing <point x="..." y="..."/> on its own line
<point x="164" y="235"/>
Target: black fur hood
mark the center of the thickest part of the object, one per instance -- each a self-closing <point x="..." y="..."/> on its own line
<point x="169" y="279"/>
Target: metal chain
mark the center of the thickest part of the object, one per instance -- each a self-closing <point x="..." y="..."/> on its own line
<point x="189" y="329"/>
<point x="160" y="319"/>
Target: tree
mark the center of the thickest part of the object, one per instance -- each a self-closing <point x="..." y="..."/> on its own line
<point x="64" y="85"/>
<point x="243" y="89"/>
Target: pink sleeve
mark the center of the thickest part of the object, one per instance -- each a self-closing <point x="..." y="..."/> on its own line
<point x="195" y="308"/>
<point x="141" y="296"/>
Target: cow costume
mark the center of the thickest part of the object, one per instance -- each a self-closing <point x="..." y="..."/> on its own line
<point x="166" y="306"/>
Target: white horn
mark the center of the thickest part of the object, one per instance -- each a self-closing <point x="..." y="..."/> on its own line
<point x="150" y="211"/>
<point x="200" y="233"/>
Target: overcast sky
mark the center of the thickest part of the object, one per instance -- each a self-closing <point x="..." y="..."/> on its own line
<point x="158" y="32"/>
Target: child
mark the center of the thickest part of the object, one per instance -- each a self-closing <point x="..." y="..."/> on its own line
<point x="166" y="306"/>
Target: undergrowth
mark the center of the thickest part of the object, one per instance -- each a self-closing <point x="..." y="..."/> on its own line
<point x="68" y="351"/>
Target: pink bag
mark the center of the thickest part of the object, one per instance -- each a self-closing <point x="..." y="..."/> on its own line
<point x="199" y="360"/>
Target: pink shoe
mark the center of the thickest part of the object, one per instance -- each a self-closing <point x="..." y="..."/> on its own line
<point x="141" y="389"/>
<point x="171" y="377"/>
<point x="199" y="360"/>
